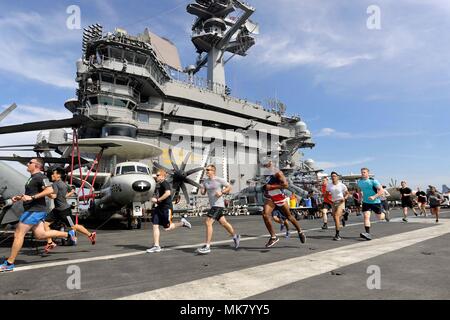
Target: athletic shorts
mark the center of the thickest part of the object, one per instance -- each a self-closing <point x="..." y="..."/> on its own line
<point x="375" y="207"/>
<point x="422" y="202"/>
<point x="326" y="205"/>
<point x="279" y="214"/>
<point x="407" y="203"/>
<point x="434" y="207"/>
<point x="60" y="216"/>
<point x="162" y="216"/>
<point x="33" y="218"/>
<point x="216" y="213"/>
<point x="338" y="205"/>
<point x="279" y="199"/>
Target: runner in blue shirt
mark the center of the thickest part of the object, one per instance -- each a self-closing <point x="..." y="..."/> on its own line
<point x="372" y="191"/>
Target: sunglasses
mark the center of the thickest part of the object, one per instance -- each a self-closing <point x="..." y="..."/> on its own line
<point x="31" y="162"/>
<point x="209" y="170"/>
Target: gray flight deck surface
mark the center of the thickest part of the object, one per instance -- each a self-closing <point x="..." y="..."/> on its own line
<point x="418" y="271"/>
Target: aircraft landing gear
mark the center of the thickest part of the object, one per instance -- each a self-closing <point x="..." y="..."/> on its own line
<point x="133" y="221"/>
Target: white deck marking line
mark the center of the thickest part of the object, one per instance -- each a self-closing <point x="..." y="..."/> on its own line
<point x="131" y="254"/>
<point x="249" y="282"/>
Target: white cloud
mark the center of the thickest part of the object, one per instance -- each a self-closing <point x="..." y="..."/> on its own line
<point x="405" y="60"/>
<point x="34" y="46"/>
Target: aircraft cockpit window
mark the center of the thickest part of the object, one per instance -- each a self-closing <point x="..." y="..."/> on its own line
<point x="128" y="169"/>
<point x="142" y="169"/>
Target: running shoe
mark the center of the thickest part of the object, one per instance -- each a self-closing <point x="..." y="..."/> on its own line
<point x="72" y="238"/>
<point x="272" y="242"/>
<point x="93" y="237"/>
<point x="346" y="215"/>
<point x="237" y="241"/>
<point x="405" y="220"/>
<point x="287" y="235"/>
<point x="49" y="247"/>
<point x="366" y="236"/>
<point x="7" y="267"/>
<point x="302" y="237"/>
<point x="281" y="227"/>
<point x="386" y="216"/>
<point x="325" y="226"/>
<point x="204" y="250"/>
<point x="186" y="223"/>
<point x="437" y="220"/>
<point x="415" y="213"/>
<point x="337" y="238"/>
<point x="154" y="249"/>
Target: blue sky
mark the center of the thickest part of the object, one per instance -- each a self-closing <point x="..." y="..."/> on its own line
<point x="375" y="98"/>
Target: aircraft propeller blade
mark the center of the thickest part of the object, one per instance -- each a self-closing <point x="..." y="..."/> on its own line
<point x="192" y="182"/>
<point x="189" y="172"/>
<point x="185" y="192"/>
<point x="186" y="159"/>
<point x="172" y="160"/>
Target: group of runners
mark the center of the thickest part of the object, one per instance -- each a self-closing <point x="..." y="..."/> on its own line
<point x="276" y="207"/>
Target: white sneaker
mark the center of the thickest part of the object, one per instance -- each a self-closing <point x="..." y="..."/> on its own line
<point x="186" y="223"/>
<point x="154" y="249"/>
<point x="204" y="250"/>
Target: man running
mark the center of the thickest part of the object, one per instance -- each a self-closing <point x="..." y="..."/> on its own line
<point x="435" y="199"/>
<point x="275" y="197"/>
<point x="162" y="213"/>
<point x="406" y="200"/>
<point x="371" y="191"/>
<point x="339" y="193"/>
<point x="327" y="202"/>
<point x="62" y="212"/>
<point x="216" y="188"/>
<point x="36" y="189"/>
<point x="421" y="201"/>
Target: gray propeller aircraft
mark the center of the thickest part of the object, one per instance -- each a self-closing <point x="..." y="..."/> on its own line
<point x="118" y="187"/>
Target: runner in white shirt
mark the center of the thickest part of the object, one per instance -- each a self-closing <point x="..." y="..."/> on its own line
<point x="339" y="193"/>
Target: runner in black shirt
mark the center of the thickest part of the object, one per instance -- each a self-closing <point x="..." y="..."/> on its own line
<point x="162" y="214"/>
<point x="406" y="200"/>
<point x="62" y="211"/>
<point x="422" y="201"/>
<point x="36" y="189"/>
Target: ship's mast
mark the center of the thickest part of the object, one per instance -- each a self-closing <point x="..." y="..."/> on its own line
<point x="215" y="33"/>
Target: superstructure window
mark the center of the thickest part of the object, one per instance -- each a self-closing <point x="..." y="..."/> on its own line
<point x="106" y="101"/>
<point x="93" y="100"/>
<point x="120" y="103"/>
<point x="143" y="117"/>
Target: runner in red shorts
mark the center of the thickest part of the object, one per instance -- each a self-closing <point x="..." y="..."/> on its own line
<point x="274" y="196"/>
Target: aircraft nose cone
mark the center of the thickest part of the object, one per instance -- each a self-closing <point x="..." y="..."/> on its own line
<point x="141" y="186"/>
